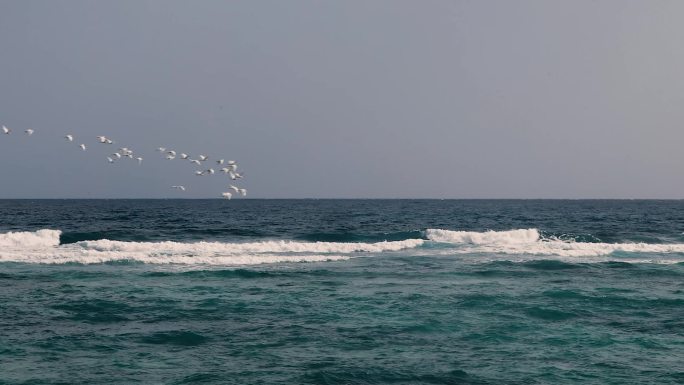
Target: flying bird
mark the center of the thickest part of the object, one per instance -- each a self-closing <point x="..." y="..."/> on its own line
<point x="83" y="146"/>
<point x="29" y="131"/>
<point x="203" y="158"/>
<point x="220" y="161"/>
<point x="182" y="188"/>
<point x="110" y="160"/>
<point x="139" y="160"/>
<point x="199" y="173"/>
<point x="195" y="161"/>
<point x="101" y="139"/>
<point x="227" y="195"/>
<point x="69" y="138"/>
<point x="161" y="149"/>
<point x="183" y="156"/>
<point x="6" y="130"/>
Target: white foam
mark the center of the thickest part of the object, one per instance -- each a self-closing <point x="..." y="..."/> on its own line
<point x="528" y="242"/>
<point x="30" y="240"/>
<point x="43" y="247"/>
<point x="521" y="236"/>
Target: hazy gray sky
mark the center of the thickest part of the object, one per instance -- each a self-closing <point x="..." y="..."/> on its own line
<point x="433" y="99"/>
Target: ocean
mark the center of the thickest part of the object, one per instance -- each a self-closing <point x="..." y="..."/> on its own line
<point x="341" y="292"/>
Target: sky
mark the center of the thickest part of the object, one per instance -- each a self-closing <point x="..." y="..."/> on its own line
<point x="345" y="99"/>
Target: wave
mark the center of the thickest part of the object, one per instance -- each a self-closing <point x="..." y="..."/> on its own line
<point x="27" y="239"/>
<point x="530" y="242"/>
<point x="44" y="246"/>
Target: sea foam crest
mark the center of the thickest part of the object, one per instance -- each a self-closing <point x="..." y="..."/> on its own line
<point x="529" y="242"/>
<point x="30" y="240"/>
<point x="520" y="236"/>
<point x="43" y="247"/>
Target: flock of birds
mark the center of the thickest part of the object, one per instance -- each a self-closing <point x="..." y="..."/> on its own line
<point x="227" y="167"/>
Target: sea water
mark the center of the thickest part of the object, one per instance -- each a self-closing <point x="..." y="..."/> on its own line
<point x="341" y="292"/>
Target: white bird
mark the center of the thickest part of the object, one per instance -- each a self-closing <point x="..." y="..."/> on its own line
<point x="243" y="192"/>
<point x="231" y="162"/>
<point x="234" y="175"/>
<point x="203" y="157"/>
<point x="116" y="155"/>
<point x="234" y="188"/>
<point x="109" y="141"/>
<point x="210" y="171"/>
<point x="161" y="149"/>
<point x="220" y="161"/>
<point x="225" y="170"/>
<point x="182" y="188"/>
<point x="29" y="131"/>
<point x="6" y="130"/>
<point x="195" y="161"/>
<point x="170" y="157"/>
<point x="110" y="160"/>
<point x="139" y="160"/>
<point x="69" y="138"/>
<point x="183" y="156"/>
<point x="172" y="153"/>
<point x="226" y="195"/>
<point x="198" y="173"/>
<point x="83" y="146"/>
<point x="101" y="139"/>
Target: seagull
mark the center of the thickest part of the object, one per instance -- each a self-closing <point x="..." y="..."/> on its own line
<point x="183" y="156"/>
<point x="220" y="161"/>
<point x="101" y="139"/>
<point x="210" y="171"/>
<point x="182" y="188"/>
<point x="83" y="146"/>
<point x="172" y="153"/>
<point x="6" y="130"/>
<point x="225" y="170"/>
<point x="69" y="138"/>
<point x="199" y="173"/>
<point x="109" y="141"/>
<point x="161" y="149"/>
<point x="234" y="188"/>
<point x="170" y="157"/>
<point x="243" y="192"/>
<point x="117" y="155"/>
<point x="226" y="195"/>
<point x="231" y="162"/>
<point x="110" y="160"/>
<point x="139" y="160"/>
<point x="195" y="161"/>
<point x="29" y="131"/>
<point x="234" y="175"/>
<point x="203" y="157"/>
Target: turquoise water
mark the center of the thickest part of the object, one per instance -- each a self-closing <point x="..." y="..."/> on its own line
<point x="342" y="292"/>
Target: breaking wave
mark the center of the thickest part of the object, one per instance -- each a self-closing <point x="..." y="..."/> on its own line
<point x="43" y="246"/>
<point x="530" y="242"/>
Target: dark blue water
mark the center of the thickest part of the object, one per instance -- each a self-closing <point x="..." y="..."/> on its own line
<point x="594" y="294"/>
